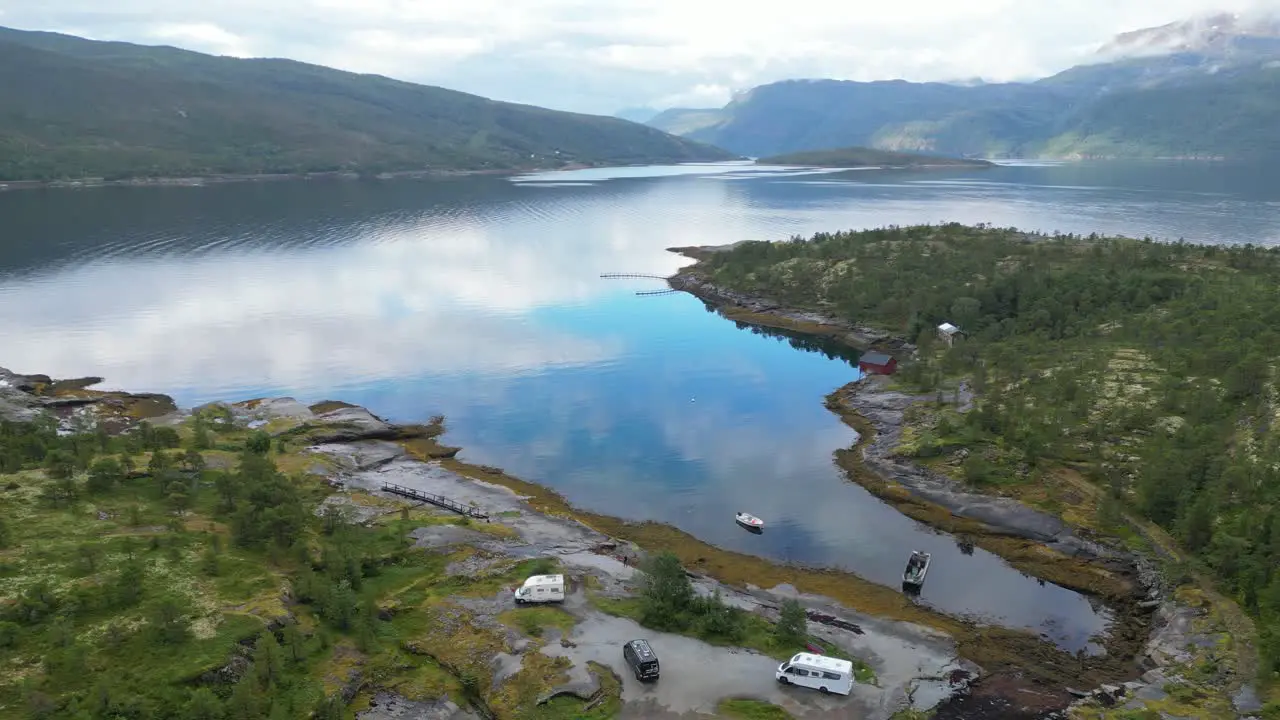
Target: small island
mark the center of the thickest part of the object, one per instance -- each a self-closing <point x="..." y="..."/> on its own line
<point x="856" y="157"/>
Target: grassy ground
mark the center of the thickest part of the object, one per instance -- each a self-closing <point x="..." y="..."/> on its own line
<point x="426" y="644"/>
<point x="534" y="621"/>
<point x="748" y="709"/>
<point x="606" y="705"/>
<point x="82" y="547"/>
<point x="911" y="714"/>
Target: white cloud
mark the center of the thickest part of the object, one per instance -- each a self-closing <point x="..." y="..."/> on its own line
<point x="705" y="95"/>
<point x="206" y="37"/>
<point x="383" y="45"/>
<point x="597" y="56"/>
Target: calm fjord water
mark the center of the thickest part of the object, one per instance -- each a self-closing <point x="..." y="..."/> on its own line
<point x="480" y="298"/>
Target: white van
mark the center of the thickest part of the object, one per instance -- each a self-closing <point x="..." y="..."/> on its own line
<point x="826" y="674"/>
<point x="541" y="589"/>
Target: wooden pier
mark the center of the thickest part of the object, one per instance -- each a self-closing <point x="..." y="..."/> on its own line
<point x="439" y="501"/>
<point x="615" y="276"/>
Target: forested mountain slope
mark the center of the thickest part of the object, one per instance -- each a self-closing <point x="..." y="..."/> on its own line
<point x="78" y="108"/>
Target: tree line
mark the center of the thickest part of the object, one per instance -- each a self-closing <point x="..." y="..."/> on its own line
<point x="99" y="625"/>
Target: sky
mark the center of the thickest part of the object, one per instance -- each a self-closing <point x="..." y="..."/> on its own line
<point x="599" y="56"/>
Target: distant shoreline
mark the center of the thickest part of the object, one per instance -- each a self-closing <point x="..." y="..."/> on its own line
<point x="996" y="161"/>
<point x="224" y="178"/>
<point x="870" y="158"/>
<point x="954" y="166"/>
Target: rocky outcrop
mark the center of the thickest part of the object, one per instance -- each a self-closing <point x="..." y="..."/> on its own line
<point x="329" y="422"/>
<point x="18" y="402"/>
<point x="389" y="706"/>
<point x="885" y="410"/>
<point x="24" y="397"/>
<point x="582" y="684"/>
<point x="1177" y="645"/>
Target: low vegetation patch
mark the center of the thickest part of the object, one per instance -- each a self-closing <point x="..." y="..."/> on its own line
<point x="912" y="714"/>
<point x="534" y="621"/>
<point x="139" y="579"/>
<point x="668" y="602"/>
<point x="748" y="709"/>
<point x="605" y="705"/>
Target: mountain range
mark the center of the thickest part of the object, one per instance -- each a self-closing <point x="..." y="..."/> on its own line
<point x="1206" y="87"/>
<point x="76" y="108"/>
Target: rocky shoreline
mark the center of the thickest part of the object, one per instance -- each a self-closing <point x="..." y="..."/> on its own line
<point x="356" y="452"/>
<point x="737" y="306"/>
<point x="1174" y="626"/>
<point x="1169" y="626"/>
<point x="884" y="408"/>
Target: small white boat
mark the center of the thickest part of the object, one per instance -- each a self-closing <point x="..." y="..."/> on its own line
<point x="749" y="521"/>
<point x="917" y="568"/>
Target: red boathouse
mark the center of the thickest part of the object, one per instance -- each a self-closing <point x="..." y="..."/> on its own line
<point x="877" y="363"/>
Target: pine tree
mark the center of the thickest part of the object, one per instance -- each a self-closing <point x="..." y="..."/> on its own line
<point x="268" y="661"/>
<point x="791" y="628"/>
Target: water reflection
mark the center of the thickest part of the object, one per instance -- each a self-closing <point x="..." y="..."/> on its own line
<point x="209" y="327"/>
<point x="825" y="346"/>
<point x="481" y="298"/>
<point x="697" y="420"/>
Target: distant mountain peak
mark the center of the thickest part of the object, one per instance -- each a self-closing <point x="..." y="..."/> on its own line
<point x="1210" y="34"/>
<point x="641" y="114"/>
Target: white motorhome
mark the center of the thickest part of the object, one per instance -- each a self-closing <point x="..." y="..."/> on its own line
<point x="822" y="673"/>
<point x="541" y="589"/>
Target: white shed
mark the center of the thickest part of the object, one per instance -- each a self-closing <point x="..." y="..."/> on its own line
<point x="948" y="333"/>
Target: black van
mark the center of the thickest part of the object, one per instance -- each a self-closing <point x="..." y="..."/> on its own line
<point x="642" y="660"/>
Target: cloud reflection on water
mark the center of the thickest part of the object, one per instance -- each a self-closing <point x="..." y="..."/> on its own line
<point x="482" y="300"/>
<point x="223" y="323"/>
